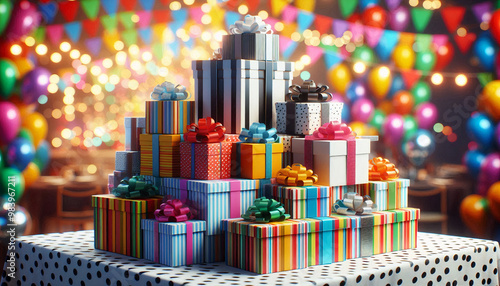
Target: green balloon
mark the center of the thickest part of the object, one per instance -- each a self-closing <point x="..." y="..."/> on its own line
<point x="26" y="134"/>
<point x="377" y="119"/>
<point x="39" y="164"/>
<point x="410" y="126"/>
<point x="12" y="182"/>
<point x="8" y="74"/>
<point x="421" y="92"/>
<point x="5" y="11"/>
<point x="2" y="164"/>
<point x="364" y="54"/>
<point x="425" y="60"/>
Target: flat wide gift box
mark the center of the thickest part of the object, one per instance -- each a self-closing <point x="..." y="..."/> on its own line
<point x="160" y="155"/>
<point x="387" y="195"/>
<point x="237" y="93"/>
<point x="205" y="161"/>
<point x="134" y="127"/>
<point x="174" y="243"/>
<point x="117" y="223"/>
<point x="169" y="116"/>
<point x="256" y="160"/>
<point x="303" y="118"/>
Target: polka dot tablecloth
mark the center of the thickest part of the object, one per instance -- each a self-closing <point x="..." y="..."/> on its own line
<point x="70" y="259"/>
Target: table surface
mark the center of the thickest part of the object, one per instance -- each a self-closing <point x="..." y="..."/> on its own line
<point x="70" y="259"/>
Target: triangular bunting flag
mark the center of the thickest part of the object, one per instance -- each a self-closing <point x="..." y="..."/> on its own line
<point x="329" y="48"/>
<point x="339" y="27"/>
<point x="464" y="43"/>
<point x="272" y="21"/>
<point x="439" y="40"/>
<point x="482" y="11"/>
<point x="94" y="45"/>
<point x="180" y="17"/>
<point x="306" y="5"/>
<point x="410" y="77"/>
<point x="452" y="16"/>
<point x="158" y="30"/>
<point x="55" y="33"/>
<point x="145" y="34"/>
<point x="128" y="5"/>
<point x="304" y="20"/>
<point x="39" y="34"/>
<point x="144" y="18"/>
<point x="289" y="51"/>
<point x="109" y="22"/>
<point x="423" y="41"/>
<point x="126" y="19"/>
<point x="372" y="35"/>
<point x="322" y="23"/>
<point x="110" y="6"/>
<point x="420" y="18"/>
<point x="68" y="9"/>
<point x="48" y="11"/>
<point x="196" y="13"/>
<point x="392" y="4"/>
<point x="91" y="8"/>
<point x="129" y="37"/>
<point x="91" y="27"/>
<point x="189" y="43"/>
<point x="252" y="5"/>
<point x="347" y="7"/>
<point x="332" y="60"/>
<point x="175" y="48"/>
<point x="289" y="14"/>
<point x="314" y="53"/>
<point x="357" y="31"/>
<point x="284" y="43"/>
<point x="73" y="31"/>
<point x="407" y="38"/>
<point x="158" y="51"/>
<point x="147" y="4"/>
<point x="484" y="78"/>
<point x="161" y="16"/>
<point x="232" y="17"/>
<point x="217" y="14"/>
<point x="109" y="37"/>
<point x="277" y="6"/>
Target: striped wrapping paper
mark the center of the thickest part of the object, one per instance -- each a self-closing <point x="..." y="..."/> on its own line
<point x="167" y="242"/>
<point x="169" y="117"/>
<point x="160" y="155"/>
<point x="302" y="202"/>
<point x="266" y="247"/>
<point x="387" y="195"/>
<point x="134" y="126"/>
<point x="117" y="223"/>
<point x="251" y="46"/>
<point x="337" y="192"/>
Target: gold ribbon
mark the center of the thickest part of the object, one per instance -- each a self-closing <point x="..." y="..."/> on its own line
<point x="382" y="169"/>
<point x="297" y="175"/>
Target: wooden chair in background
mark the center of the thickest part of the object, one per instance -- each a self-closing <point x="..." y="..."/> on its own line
<point x="426" y="216"/>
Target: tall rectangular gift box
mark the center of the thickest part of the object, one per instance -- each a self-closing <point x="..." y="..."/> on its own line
<point x="387" y="195"/>
<point x="160" y="155"/>
<point x="205" y="161"/>
<point x="250" y="46"/>
<point x="302" y="202"/>
<point x="174" y="243"/>
<point x="256" y="160"/>
<point x="117" y="223"/>
<point x="169" y="116"/>
<point x="134" y="127"/>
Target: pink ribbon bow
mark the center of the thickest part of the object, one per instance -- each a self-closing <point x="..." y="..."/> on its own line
<point x="174" y="211"/>
<point x="333" y="131"/>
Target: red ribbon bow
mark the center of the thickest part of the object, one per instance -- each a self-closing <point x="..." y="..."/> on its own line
<point x="333" y="131"/>
<point x="174" y="211"/>
<point x="206" y="131"/>
<point x="382" y="170"/>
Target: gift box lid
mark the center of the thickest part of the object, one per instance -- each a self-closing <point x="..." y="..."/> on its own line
<point x="380" y="218"/>
<point x="201" y="65"/>
<point x="172" y="228"/>
<point x="211" y="186"/>
<point x="140" y="122"/>
<point x="261" y="230"/>
<point x="303" y="108"/>
<point x="260" y="148"/>
<point x="212" y="149"/>
<point x="109" y="201"/>
<point x="332" y="147"/>
<point x="163" y="138"/>
<point x="302" y="193"/>
<point x="383" y="185"/>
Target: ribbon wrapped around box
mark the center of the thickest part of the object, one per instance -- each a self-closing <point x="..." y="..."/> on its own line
<point x="129" y="162"/>
<point x="134" y="127"/>
<point x="160" y="155"/>
<point x="257" y="156"/>
<point x="134" y="188"/>
<point x="265" y="210"/>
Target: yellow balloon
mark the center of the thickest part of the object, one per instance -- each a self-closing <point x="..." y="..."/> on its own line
<point x="403" y="56"/>
<point x="490" y="99"/>
<point x="31" y="174"/>
<point x="358" y="127"/>
<point x="37" y="125"/>
<point x="371" y="131"/>
<point x="23" y="66"/>
<point x="340" y="77"/>
<point x="379" y="81"/>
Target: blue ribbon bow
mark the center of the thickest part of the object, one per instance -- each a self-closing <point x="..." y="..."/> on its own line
<point x="258" y="134"/>
<point x="169" y="91"/>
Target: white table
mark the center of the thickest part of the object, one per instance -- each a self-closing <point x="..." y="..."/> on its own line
<point x="70" y="259"/>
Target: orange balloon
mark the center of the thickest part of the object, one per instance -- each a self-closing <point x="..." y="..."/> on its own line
<point x="23" y="66"/>
<point x="403" y="102"/>
<point x="494" y="200"/>
<point x="385" y="106"/>
<point x="24" y="109"/>
<point x="31" y="174"/>
<point x="474" y="213"/>
<point x="340" y="77"/>
<point x="37" y="125"/>
<point x="358" y="127"/>
<point x="490" y="99"/>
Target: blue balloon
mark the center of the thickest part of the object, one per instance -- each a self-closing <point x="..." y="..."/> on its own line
<point x="481" y="129"/>
<point x="485" y="51"/>
<point x="356" y="90"/>
<point x="20" y="153"/>
<point x="346" y="114"/>
<point x="363" y="4"/>
<point x="42" y="154"/>
<point x="473" y="160"/>
<point x="418" y="147"/>
<point x="396" y="85"/>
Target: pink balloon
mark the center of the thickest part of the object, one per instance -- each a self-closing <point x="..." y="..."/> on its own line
<point x="24" y="18"/>
<point x="426" y="114"/>
<point x="362" y="110"/>
<point x="10" y="122"/>
<point x="489" y="173"/>
<point x="337" y="98"/>
<point x="399" y="18"/>
<point x="393" y="129"/>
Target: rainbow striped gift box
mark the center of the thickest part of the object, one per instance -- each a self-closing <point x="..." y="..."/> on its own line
<point x="301" y="202"/>
<point x="387" y="195"/>
<point x="160" y="155"/>
<point x="266" y="247"/>
<point x="117" y="223"/>
<point x="174" y="243"/>
<point x="169" y="117"/>
<point x="337" y="192"/>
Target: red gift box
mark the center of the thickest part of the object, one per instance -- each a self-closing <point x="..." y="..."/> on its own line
<point x="205" y="161"/>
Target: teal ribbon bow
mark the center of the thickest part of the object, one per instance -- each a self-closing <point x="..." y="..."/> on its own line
<point x="135" y="187"/>
<point x="169" y="91"/>
<point x="353" y="204"/>
<point x="258" y="134"/>
<point x="265" y="210"/>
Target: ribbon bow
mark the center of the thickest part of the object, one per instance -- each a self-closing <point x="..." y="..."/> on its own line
<point x="174" y="211"/>
<point x="206" y="131"/>
<point x="135" y="187"/>
<point x="297" y="175"/>
<point x="333" y="131"/>
<point x="217" y="54"/>
<point x="251" y="24"/>
<point x="382" y="169"/>
<point x="265" y="210"/>
<point x="169" y="91"/>
<point x="258" y="134"/>
<point x="353" y="204"/>
<point x="308" y="92"/>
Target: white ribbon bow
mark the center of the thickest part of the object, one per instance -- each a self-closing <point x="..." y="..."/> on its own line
<point x="353" y="204"/>
<point x="169" y="91"/>
<point x="251" y="24"/>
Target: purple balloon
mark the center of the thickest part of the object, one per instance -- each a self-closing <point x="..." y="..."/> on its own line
<point x="426" y="114"/>
<point x="362" y="110"/>
<point x="24" y="18"/>
<point x="393" y="129"/>
<point x="10" y="122"/>
<point x="399" y="18"/>
<point x="34" y="84"/>
<point x="489" y="174"/>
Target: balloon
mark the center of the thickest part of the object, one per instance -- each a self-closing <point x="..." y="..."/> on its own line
<point x="26" y="134"/>
<point x="481" y="129"/>
<point x="31" y="174"/>
<point x="2" y="164"/>
<point x="354" y="18"/>
<point x="5" y="10"/>
<point x="399" y="18"/>
<point x="490" y="99"/>
<point x="24" y="110"/>
<point x="494" y="200"/>
<point x="495" y="25"/>
<point x="425" y="60"/>
<point x="363" y="4"/>
<point x="374" y="16"/>
<point x="37" y="125"/>
<point x="359" y="128"/>
<point x="24" y="18"/>
<point x="21" y="220"/>
<point x="410" y="126"/>
<point x="364" y="54"/>
<point x="385" y="106"/>
<point x="497" y="65"/>
<point x="340" y="77"/>
<point x="489" y="173"/>
<point x="8" y="74"/>
<point x="484" y="49"/>
<point x="426" y="114"/>
<point x="403" y="102"/>
<point x="378" y="119"/>
<point x="403" y="56"/>
<point x="20" y="153"/>
<point x="379" y="81"/>
<point x="444" y="55"/>
<point x="396" y="85"/>
<point x="421" y="92"/>
<point x="362" y="110"/>
<point x="23" y="66"/>
<point x="42" y="155"/>
<point x="418" y="147"/>
<point x="393" y="129"/>
<point x="474" y="213"/>
<point x="472" y="160"/>
<point x="10" y="121"/>
<point x="35" y="83"/>
<point x="356" y="90"/>
<point x="13" y="176"/>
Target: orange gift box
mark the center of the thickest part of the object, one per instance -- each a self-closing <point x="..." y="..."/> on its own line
<point x="256" y="160"/>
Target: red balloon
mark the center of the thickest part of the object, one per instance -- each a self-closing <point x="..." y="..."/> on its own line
<point x="403" y="102"/>
<point x="444" y="55"/>
<point x="374" y="16"/>
<point x="355" y="18"/>
<point x="495" y="25"/>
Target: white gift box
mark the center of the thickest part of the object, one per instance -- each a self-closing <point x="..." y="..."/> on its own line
<point x="303" y="118"/>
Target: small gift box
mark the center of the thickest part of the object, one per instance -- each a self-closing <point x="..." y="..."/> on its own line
<point x="160" y="155"/>
<point x="134" y="127"/>
<point x="205" y="155"/>
<point x="257" y="156"/>
<point x="128" y="162"/>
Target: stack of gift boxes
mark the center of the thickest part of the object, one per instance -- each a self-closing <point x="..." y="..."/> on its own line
<point x="295" y="190"/>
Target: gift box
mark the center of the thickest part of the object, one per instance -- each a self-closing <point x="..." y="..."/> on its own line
<point x="134" y="127"/>
<point x="239" y="92"/>
<point x="303" y="118"/>
<point x="387" y="195"/>
<point x="256" y="160"/>
<point x="160" y="155"/>
<point x="302" y="202"/>
<point x="205" y="161"/>
<point x="169" y="117"/>
<point x="287" y="156"/>
<point x="321" y="247"/>
<point x="117" y="223"/>
<point x="266" y="247"/>
<point x="128" y="162"/>
<point x="338" y="192"/>
<point x="174" y="243"/>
